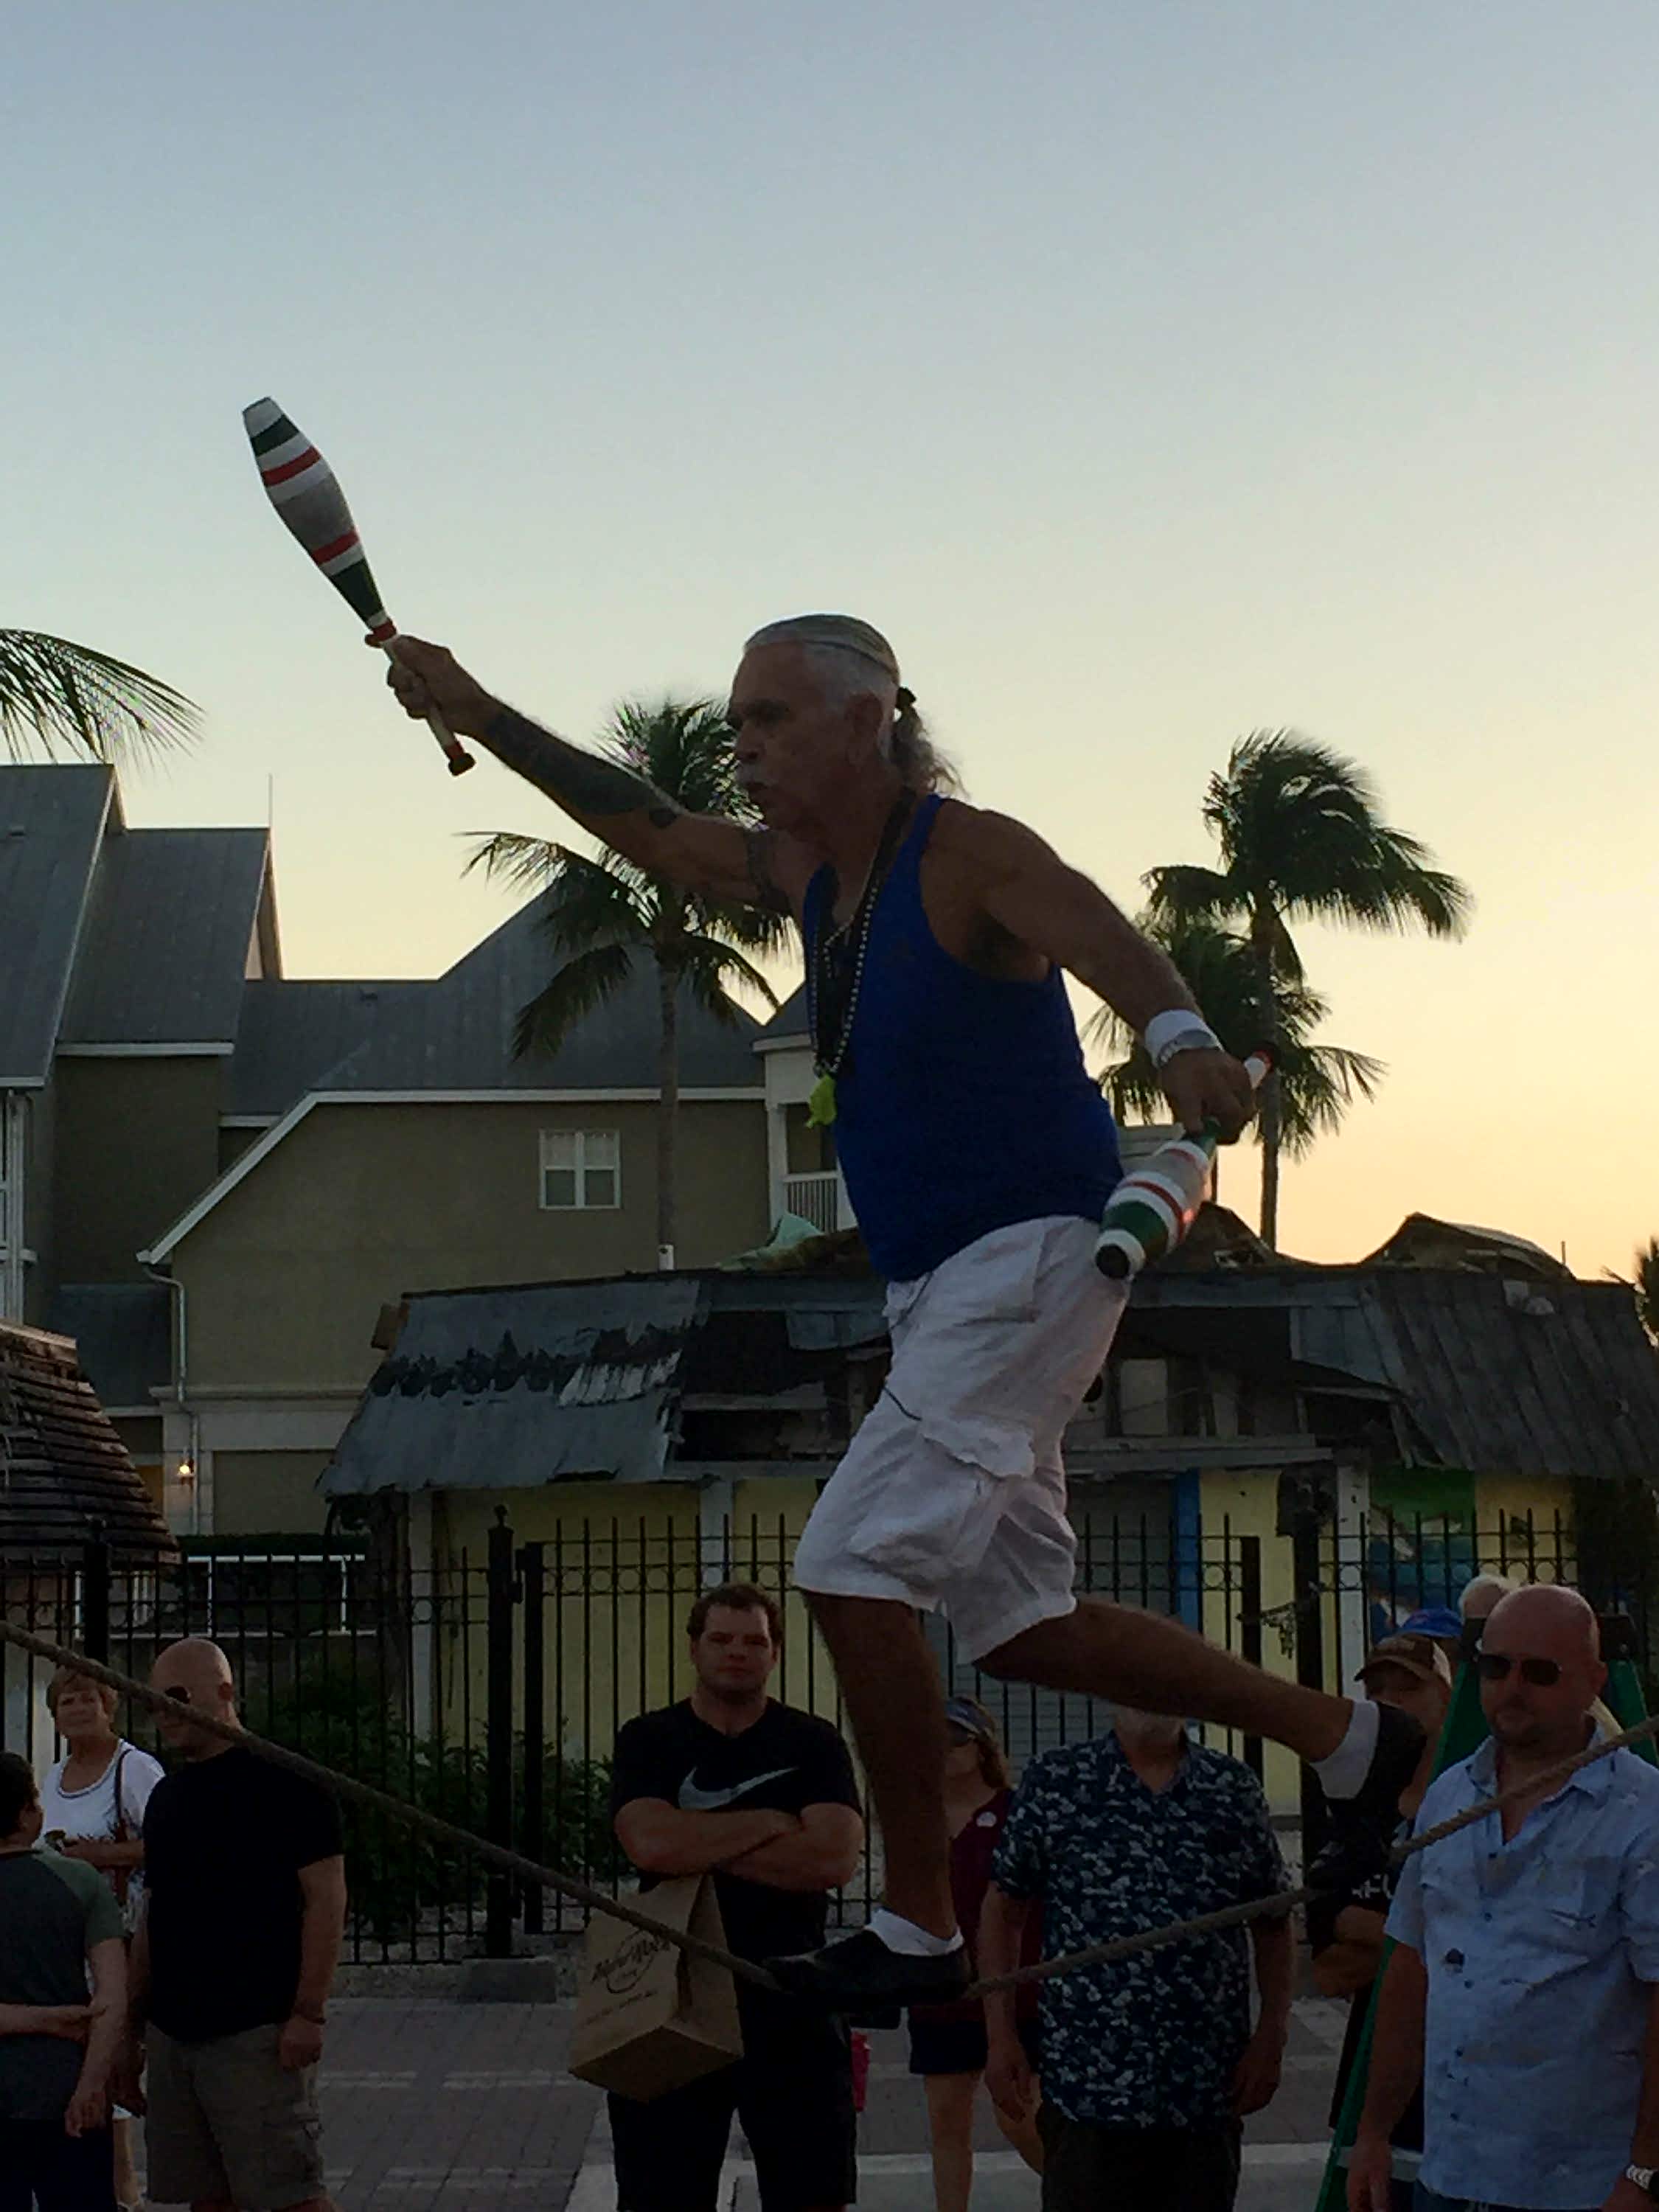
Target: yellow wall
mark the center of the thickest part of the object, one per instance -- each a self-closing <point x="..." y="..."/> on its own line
<point x="1503" y="1502"/>
<point x="625" y="1596"/>
<point x="1248" y="1503"/>
<point x="358" y="1204"/>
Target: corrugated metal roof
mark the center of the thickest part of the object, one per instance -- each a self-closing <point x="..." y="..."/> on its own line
<point x="458" y="1034"/>
<point x="1498" y="1375"/>
<point x="51" y="821"/>
<point x="164" y="954"/>
<point x="64" y="1473"/>
<point x="124" y="1334"/>
<point x="291" y="1033"/>
<point x="515" y="1387"/>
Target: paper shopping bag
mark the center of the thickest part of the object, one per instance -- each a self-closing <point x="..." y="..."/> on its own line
<point x="649" y="2016"/>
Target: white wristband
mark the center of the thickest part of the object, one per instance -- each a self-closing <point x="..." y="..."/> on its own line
<point x="1161" y="1033"/>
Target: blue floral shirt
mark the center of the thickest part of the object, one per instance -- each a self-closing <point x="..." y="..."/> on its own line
<point x="1153" y="2040"/>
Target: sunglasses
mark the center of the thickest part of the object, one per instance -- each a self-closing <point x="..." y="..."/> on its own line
<point x="1494" y="1666"/>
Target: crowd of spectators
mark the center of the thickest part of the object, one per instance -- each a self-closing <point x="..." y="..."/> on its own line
<point x="170" y="1939"/>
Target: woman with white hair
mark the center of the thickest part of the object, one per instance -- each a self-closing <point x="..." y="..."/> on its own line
<point x="92" y="1805"/>
<point x="1482" y="1593"/>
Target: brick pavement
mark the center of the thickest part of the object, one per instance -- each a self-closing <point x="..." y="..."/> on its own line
<point x="437" y="2105"/>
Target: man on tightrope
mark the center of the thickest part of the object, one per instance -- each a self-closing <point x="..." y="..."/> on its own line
<point x="978" y="1157"/>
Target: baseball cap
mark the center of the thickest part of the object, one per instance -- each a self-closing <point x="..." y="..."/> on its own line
<point x="964" y="1713"/>
<point x="1433" y="1621"/>
<point x="1418" y="1655"/>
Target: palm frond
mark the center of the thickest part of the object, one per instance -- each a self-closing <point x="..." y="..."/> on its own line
<point x="710" y="967"/>
<point x="1189" y="893"/>
<point x="574" y="991"/>
<point x="72" y="700"/>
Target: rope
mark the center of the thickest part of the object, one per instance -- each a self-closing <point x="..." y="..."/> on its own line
<point x="599" y="1900"/>
<point x="1236" y="1915"/>
<point x="364" y="1793"/>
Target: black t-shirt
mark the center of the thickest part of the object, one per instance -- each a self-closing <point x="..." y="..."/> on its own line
<point x="785" y="1762"/>
<point x="224" y="1841"/>
<point x="1375" y="1892"/>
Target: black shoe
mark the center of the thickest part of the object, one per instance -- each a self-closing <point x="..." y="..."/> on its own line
<point x="860" y="1974"/>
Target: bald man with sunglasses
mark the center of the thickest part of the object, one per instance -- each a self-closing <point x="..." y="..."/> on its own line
<point x="1523" y="1992"/>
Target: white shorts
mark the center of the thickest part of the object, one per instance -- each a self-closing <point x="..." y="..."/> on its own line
<point x="953" y="1493"/>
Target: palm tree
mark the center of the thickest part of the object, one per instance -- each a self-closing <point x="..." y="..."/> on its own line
<point x="69" y="698"/>
<point x="1647" y="1287"/>
<point x="601" y="917"/>
<point x="1301" y="839"/>
<point x="1318" y="1082"/>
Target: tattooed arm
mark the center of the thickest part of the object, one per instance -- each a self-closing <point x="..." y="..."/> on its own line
<point x="751" y="867"/>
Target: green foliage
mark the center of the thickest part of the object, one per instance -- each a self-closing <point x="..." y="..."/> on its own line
<point x="395" y="1871"/>
<point x="1301" y="839"/>
<point x="67" y="698"/>
<point x="1317" y="1082"/>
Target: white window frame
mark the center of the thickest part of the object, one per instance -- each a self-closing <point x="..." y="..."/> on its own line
<point x="568" y="1151"/>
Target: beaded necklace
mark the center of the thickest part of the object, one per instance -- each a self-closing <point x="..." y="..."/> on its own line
<point x="829" y="1061"/>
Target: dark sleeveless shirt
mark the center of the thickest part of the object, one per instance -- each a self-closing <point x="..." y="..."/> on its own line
<point x="962" y="1105"/>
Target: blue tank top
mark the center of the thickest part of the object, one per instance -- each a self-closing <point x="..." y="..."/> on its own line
<point x="963" y="1104"/>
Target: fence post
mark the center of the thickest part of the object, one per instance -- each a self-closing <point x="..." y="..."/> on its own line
<point x="535" y="1726"/>
<point x="498" y="1734"/>
<point x="1302" y="1501"/>
<point x="94" y="1597"/>
<point x="1249" y="1628"/>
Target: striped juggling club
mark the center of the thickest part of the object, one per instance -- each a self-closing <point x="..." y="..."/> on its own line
<point x="1155" y="1204"/>
<point x="306" y="493"/>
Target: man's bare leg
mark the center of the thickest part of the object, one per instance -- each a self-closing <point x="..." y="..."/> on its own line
<point x="1147" y="1660"/>
<point x="896" y="1705"/>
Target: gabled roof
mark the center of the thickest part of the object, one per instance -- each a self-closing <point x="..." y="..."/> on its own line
<point x="52" y="818"/>
<point x="123" y="1333"/>
<point x="457" y="1033"/>
<point x="164" y="953"/>
<point x="292" y="1033"/>
<point x="789" y="1026"/>
<point x="64" y="1473"/>
<point x="453" y="1038"/>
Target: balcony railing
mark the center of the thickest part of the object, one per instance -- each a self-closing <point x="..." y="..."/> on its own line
<point x="820" y="1199"/>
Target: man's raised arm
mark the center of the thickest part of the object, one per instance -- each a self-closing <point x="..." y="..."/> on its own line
<point x="706" y="853"/>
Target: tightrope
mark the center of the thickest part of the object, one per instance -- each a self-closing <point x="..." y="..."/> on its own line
<point x="1275" y="1907"/>
<point x="581" y="1892"/>
<point x="364" y="1793"/>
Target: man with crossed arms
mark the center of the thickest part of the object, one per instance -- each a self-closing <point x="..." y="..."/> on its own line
<point x="978" y="1157"/>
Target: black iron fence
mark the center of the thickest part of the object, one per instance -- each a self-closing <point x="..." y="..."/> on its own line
<point x="490" y="1689"/>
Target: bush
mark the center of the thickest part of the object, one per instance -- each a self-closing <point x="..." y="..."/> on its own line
<point x="396" y="1870"/>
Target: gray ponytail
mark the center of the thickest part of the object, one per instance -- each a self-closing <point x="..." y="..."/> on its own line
<point x="913" y="752"/>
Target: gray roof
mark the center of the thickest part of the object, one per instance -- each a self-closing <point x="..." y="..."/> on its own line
<point x="512" y="1389"/>
<point x="164" y="954"/>
<point x="292" y="1033"/>
<point x="790" y="1019"/>
<point x="1497" y="1375"/>
<point x="65" y="1474"/>
<point x="457" y="1035"/>
<point x="50" y="820"/>
<point x="124" y="1334"/>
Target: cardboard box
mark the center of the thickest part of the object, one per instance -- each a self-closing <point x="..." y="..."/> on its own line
<point x="649" y="2016"/>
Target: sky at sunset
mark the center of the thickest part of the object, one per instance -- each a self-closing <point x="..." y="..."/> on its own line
<point x="1149" y="373"/>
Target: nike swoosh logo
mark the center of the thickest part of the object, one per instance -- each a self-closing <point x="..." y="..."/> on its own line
<point x="693" y="1800"/>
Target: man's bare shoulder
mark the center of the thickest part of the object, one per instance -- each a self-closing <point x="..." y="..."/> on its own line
<point x="979" y="839"/>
